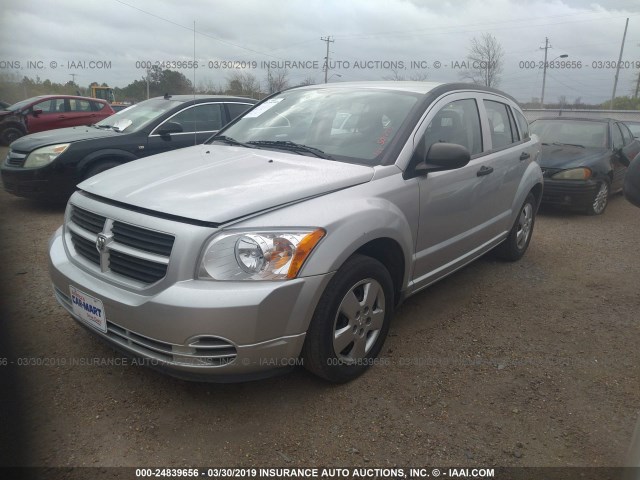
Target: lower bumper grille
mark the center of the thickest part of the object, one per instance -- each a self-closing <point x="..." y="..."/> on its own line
<point x="205" y="351"/>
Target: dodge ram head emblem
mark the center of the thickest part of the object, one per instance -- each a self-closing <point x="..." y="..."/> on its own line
<point x="101" y="242"/>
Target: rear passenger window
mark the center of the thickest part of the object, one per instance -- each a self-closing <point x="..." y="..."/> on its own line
<point x="97" y="106"/>
<point x="626" y="134"/>
<point x="500" y="125"/>
<point x="237" y="109"/>
<point x="201" y="118"/>
<point x="79" y="105"/>
<point x="459" y="123"/>
<point x="523" y="124"/>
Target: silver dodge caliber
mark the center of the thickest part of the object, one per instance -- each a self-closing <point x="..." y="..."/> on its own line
<point x="291" y="235"/>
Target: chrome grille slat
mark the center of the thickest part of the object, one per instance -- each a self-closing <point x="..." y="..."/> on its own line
<point x="88" y="220"/>
<point x="85" y="248"/>
<point x="136" y="268"/>
<point x="154" y="242"/>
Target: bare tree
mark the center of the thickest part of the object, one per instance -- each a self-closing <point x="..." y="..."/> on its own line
<point x="562" y="101"/>
<point x="243" y="84"/>
<point x="485" y="60"/>
<point x="307" y="81"/>
<point x="276" y="80"/>
<point x="395" y="76"/>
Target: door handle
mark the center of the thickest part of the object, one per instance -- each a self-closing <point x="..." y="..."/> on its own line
<point x="524" y="156"/>
<point x="484" y="171"/>
<point x="60" y="116"/>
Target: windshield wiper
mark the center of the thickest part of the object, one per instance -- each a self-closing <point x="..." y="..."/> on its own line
<point x="570" y="144"/>
<point x="294" y="147"/>
<point x="230" y="141"/>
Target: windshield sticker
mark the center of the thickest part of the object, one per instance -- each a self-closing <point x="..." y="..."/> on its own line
<point x="122" y="124"/>
<point x="256" y="112"/>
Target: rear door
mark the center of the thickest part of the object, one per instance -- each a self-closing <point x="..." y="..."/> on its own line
<point x="79" y="113"/>
<point x="509" y="151"/>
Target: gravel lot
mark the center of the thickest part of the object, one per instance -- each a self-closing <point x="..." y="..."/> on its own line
<point x="534" y="363"/>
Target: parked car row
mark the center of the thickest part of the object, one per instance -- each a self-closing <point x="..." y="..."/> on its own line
<point x="48" y="165"/>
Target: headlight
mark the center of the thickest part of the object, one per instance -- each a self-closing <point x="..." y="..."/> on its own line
<point x="45" y="155"/>
<point x="258" y="255"/>
<point x="573" y="174"/>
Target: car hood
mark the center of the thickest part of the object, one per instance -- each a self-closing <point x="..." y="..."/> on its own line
<point x="567" y="156"/>
<point x="60" y="135"/>
<point x="215" y="183"/>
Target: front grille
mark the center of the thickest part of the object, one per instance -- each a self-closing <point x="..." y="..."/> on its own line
<point x="136" y="237"/>
<point x="15" y="159"/>
<point x="143" y="270"/>
<point x="129" y="251"/>
<point x="206" y="351"/>
<point x="88" y="220"/>
<point x="86" y="248"/>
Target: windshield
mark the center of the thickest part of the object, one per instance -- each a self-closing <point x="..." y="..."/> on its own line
<point x="351" y="125"/>
<point x="573" y="132"/>
<point x="138" y="116"/>
<point x="23" y="103"/>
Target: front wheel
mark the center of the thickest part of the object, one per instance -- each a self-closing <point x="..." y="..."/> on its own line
<point x="517" y="242"/>
<point x="600" y="200"/>
<point x="351" y="321"/>
<point x="9" y="134"/>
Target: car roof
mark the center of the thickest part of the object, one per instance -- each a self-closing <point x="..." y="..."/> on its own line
<point x="407" y="86"/>
<point x="431" y="89"/>
<point x="187" y="98"/>
<point x="580" y="119"/>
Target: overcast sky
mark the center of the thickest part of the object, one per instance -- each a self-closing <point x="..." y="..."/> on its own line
<point x="62" y="37"/>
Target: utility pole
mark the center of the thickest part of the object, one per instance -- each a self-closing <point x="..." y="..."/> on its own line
<point x="544" y="71"/>
<point x="327" y="40"/>
<point x="615" y="82"/>
<point x="73" y="77"/>
<point x="637" y="86"/>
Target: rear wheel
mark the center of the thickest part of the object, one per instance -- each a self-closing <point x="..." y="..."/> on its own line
<point x="600" y="200"/>
<point x="516" y="244"/>
<point x="351" y="321"/>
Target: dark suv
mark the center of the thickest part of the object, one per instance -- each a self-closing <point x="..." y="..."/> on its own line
<point x="48" y="165"/>
<point x="47" y="112"/>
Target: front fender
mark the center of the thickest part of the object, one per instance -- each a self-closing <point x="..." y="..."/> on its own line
<point x="108" y="153"/>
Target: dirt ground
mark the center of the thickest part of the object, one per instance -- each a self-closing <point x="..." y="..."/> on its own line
<point x="534" y="363"/>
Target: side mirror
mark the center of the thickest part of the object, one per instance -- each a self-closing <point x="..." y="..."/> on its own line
<point x="36" y="112"/>
<point x="444" y="156"/>
<point x="168" y="128"/>
<point x="632" y="182"/>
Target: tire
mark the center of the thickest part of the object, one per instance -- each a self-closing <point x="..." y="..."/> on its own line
<point x="99" y="168"/>
<point x="9" y="134"/>
<point x="351" y="321"/>
<point x="517" y="242"/>
<point x="600" y="199"/>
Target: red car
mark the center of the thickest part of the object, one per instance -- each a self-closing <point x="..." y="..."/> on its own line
<point x="47" y="112"/>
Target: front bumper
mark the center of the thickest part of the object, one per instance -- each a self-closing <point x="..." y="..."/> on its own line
<point x="195" y="329"/>
<point x="567" y="193"/>
<point x="37" y="183"/>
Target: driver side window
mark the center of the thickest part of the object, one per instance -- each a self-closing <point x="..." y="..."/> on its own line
<point x="457" y="122"/>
